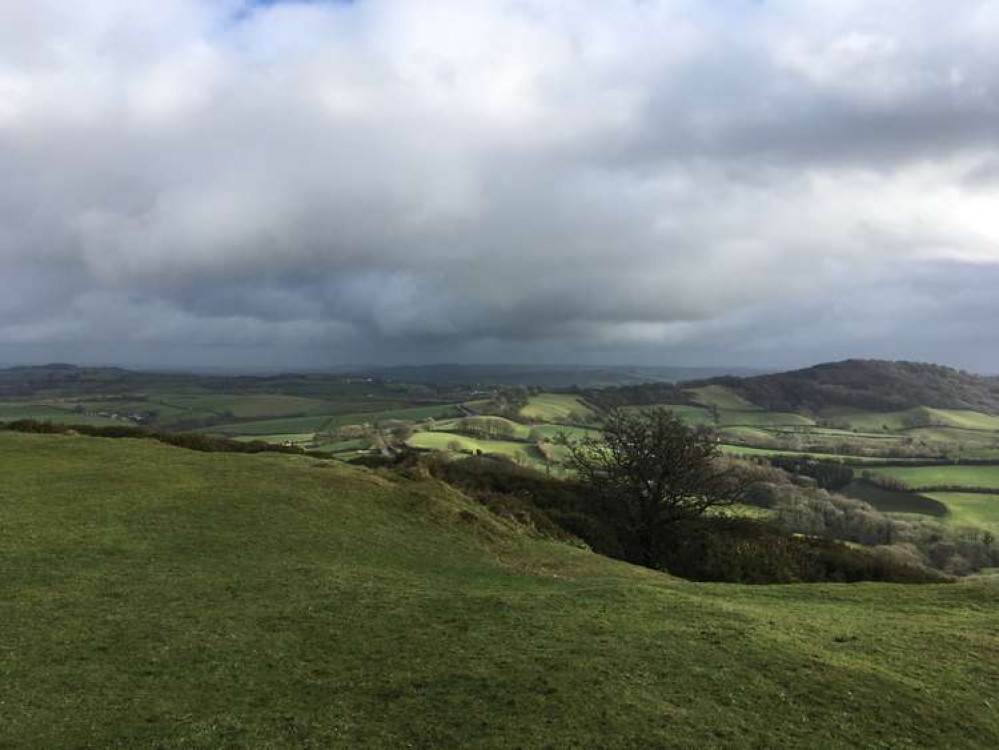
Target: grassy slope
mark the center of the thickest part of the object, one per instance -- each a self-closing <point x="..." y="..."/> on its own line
<point x="10" y="412"/>
<point x="941" y="476"/>
<point x="970" y="509"/>
<point x="721" y="397"/>
<point x="692" y="415"/>
<point x="554" y="407"/>
<point x="264" y="405"/>
<point x="155" y="597"/>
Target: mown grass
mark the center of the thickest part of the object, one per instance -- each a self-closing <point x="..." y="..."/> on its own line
<point x="156" y="597"/>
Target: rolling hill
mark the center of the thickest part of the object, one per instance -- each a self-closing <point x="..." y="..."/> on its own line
<point x="876" y="385"/>
<point x="159" y="597"/>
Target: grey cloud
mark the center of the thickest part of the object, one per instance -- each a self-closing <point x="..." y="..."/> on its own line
<point x="429" y="179"/>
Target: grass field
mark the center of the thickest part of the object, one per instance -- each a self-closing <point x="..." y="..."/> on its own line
<point x="721" y="397"/>
<point x="265" y="405"/>
<point x="692" y="415"/>
<point x="442" y="441"/>
<point x="919" y="477"/>
<point x="970" y="509"/>
<point x="323" y="422"/>
<point x="10" y="412"/>
<point x="156" y="597"/>
<point x="747" y="451"/>
<point x="270" y="426"/>
<point x="554" y="407"/>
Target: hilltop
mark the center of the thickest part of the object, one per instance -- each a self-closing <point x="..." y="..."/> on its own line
<point x="159" y="597"/>
<point x="879" y="385"/>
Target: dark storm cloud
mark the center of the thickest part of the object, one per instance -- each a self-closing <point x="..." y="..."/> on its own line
<point x="529" y="180"/>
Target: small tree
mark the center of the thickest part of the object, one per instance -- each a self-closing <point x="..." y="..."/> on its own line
<point x="651" y="471"/>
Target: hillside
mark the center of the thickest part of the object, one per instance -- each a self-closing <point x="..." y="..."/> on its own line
<point x="878" y="385"/>
<point x="157" y="597"/>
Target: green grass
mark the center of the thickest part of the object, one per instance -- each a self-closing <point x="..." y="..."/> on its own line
<point x="318" y="423"/>
<point x="972" y="420"/>
<point x="968" y="509"/>
<point x="261" y="405"/>
<point x="909" y="419"/>
<point x="895" y="501"/>
<point x="442" y="441"/>
<point x="161" y="598"/>
<point x="722" y="397"/>
<point x="747" y="451"/>
<point x="692" y="415"/>
<point x="763" y="419"/>
<point x="919" y="477"/>
<point x="271" y="426"/>
<point x="552" y="431"/>
<point x="10" y="412"/>
<point x="555" y="407"/>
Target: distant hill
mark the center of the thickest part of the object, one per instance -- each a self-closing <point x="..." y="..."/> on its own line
<point x="547" y="376"/>
<point x="868" y="384"/>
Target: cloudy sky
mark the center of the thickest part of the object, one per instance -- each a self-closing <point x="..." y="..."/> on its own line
<point x="744" y="182"/>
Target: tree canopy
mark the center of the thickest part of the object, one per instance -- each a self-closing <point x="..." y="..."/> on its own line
<point x="652" y="471"/>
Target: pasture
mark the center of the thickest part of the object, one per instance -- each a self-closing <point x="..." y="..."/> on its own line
<point x="555" y="407"/>
<point x="226" y="600"/>
<point x="721" y="397"/>
<point x="970" y="509"/>
<point x="922" y="477"/>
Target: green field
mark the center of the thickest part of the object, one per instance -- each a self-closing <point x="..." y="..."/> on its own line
<point x="919" y="477"/>
<point x="518" y="431"/>
<point x="555" y="407"/>
<point x="721" y="397"/>
<point x="762" y="419"/>
<point x="315" y="424"/>
<point x="692" y="415"/>
<point x="970" y="509"/>
<point x="157" y="597"/>
<point x="10" y="412"/>
<point x="747" y="451"/>
<point x="442" y="441"/>
<point x="263" y="405"/>
<point x="270" y="427"/>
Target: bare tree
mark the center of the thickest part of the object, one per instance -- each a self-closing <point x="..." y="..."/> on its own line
<point x="651" y="470"/>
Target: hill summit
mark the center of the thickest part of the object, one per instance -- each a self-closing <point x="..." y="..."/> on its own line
<point x="869" y="384"/>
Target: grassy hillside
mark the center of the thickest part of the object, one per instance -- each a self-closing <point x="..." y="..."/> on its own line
<point x="721" y="397"/>
<point x="874" y="385"/>
<point x="555" y="407"/>
<point x="919" y="477"/>
<point x="970" y="509"/>
<point x="157" y="597"/>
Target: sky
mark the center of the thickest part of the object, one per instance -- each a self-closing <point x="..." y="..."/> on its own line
<point x="767" y="183"/>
